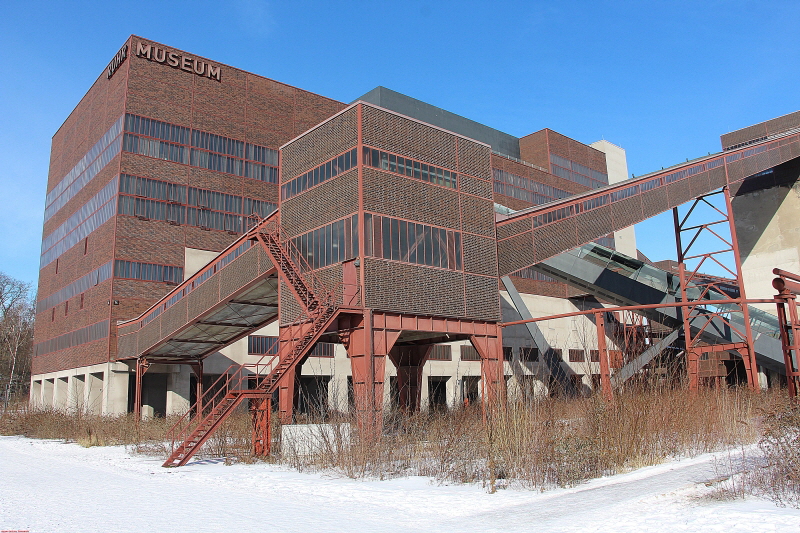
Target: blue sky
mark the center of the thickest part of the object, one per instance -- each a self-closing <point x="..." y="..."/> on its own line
<point x="661" y="79"/>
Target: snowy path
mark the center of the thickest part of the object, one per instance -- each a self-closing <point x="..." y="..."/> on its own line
<point x="49" y="486"/>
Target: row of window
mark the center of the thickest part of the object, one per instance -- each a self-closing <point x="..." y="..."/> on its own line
<point x="80" y="232"/>
<point x="329" y="244"/>
<point x="200" y="139"/>
<point x="267" y="345"/>
<point x="148" y="271"/>
<point x="73" y="338"/>
<point x="198" y="158"/>
<point x="576" y="172"/>
<point x="399" y="240"/>
<point x="525" y="189"/>
<point x="181" y="215"/>
<point x="530" y="273"/>
<point x="182" y="194"/>
<point x="76" y="287"/>
<point x="410" y="168"/>
<point x="321" y="173"/>
<point x="84" y="171"/>
<point x="78" y="217"/>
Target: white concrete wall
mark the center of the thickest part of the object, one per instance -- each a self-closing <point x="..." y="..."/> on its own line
<point x="97" y="389"/>
<point x="768" y="233"/>
<point x="617" y="165"/>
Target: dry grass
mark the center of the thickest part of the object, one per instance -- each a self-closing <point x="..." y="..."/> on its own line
<point x="536" y="445"/>
<point x="551" y="442"/>
<point x="85" y="429"/>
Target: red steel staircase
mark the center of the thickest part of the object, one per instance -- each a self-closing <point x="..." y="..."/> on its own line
<point x="248" y="381"/>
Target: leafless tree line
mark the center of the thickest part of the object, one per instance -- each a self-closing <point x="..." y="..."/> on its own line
<point x="16" y="337"/>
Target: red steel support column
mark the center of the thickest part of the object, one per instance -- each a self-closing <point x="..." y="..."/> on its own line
<point x="141" y="367"/>
<point x="788" y="326"/>
<point x="490" y="348"/>
<point x="368" y="349"/>
<point x="605" y="372"/>
<point x="261" y="412"/>
<point x="286" y="395"/>
<point x="197" y="368"/>
<point x="409" y="362"/>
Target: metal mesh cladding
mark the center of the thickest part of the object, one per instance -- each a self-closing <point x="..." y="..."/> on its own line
<point x="393" y="133"/>
<point x="515" y="227"/>
<point x="264" y="262"/>
<point x="474" y="186"/>
<point x="654" y="202"/>
<point x="699" y="184"/>
<point x="480" y="255"/>
<point x="595" y="223"/>
<point x="150" y="334"/>
<point x="126" y="346"/>
<point x="328" y="139"/>
<point x="477" y="215"/>
<point x="474" y="159"/>
<point x="483" y="298"/>
<point x="413" y="289"/>
<point x="173" y="318"/>
<point x="679" y="193"/>
<point x="328" y="201"/>
<point x="627" y="212"/>
<point x="290" y="309"/>
<point x="411" y="199"/>
<point x="555" y="238"/>
<point x="203" y="297"/>
<point x="239" y="272"/>
<point x="515" y="253"/>
<point x="716" y="177"/>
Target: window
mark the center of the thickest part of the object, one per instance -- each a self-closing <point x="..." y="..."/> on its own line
<point x="85" y="245"/>
<point x="323" y="349"/>
<point x="576" y="356"/>
<point x="508" y="353"/>
<point x="329" y="244"/>
<point x="148" y="271"/>
<point x="401" y="240"/>
<point x="529" y="355"/>
<point x="321" y="173"/>
<point x="440" y="352"/>
<point x="66" y="308"/>
<point x="81" y="304"/>
<point x="594" y="356"/>
<point x="469" y="353"/>
<point x="410" y="168"/>
<point x="262" y="345"/>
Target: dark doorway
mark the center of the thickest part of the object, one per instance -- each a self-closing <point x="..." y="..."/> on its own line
<point x="437" y="392"/>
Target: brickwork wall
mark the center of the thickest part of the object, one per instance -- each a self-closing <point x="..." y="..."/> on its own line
<point x="536" y="147"/>
<point x="241" y="105"/>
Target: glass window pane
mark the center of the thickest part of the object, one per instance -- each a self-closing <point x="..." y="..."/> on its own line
<point x="387" y="241"/>
<point x="392" y="163"/>
<point x="395" y="239"/>
<point x="403" y="241"/>
<point x="428" y="246"/>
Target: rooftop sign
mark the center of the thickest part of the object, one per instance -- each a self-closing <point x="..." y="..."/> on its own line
<point x="117" y="61"/>
<point x="178" y="61"/>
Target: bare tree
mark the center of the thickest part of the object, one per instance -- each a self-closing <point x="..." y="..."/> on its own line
<point x="16" y="335"/>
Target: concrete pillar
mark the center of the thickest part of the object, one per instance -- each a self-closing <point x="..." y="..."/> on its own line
<point x="116" y="395"/>
<point x="61" y="393"/>
<point x="179" y="390"/>
<point x="36" y="393"/>
<point x="77" y="391"/>
<point x="94" y="393"/>
<point x="48" y="387"/>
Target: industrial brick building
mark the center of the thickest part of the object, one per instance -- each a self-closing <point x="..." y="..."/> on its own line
<point x="164" y="267"/>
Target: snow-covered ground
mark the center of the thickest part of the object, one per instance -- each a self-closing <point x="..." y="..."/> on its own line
<point x="51" y="486"/>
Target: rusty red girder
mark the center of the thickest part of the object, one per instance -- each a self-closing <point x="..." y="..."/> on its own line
<point x="689" y="236"/>
<point x="788" y="287"/>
